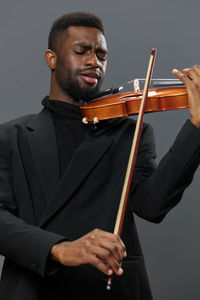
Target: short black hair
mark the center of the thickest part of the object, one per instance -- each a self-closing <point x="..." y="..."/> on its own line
<point x="78" y="18"/>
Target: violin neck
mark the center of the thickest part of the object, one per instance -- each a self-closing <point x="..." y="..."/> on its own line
<point x="166" y="83"/>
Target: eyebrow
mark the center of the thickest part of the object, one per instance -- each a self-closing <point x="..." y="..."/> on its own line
<point x="88" y="47"/>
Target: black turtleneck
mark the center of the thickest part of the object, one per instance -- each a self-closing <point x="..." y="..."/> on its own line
<point x="68" y="127"/>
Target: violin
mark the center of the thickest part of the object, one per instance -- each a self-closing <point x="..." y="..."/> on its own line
<point x="126" y="104"/>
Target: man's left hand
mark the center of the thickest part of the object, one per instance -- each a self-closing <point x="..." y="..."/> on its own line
<point x="191" y="78"/>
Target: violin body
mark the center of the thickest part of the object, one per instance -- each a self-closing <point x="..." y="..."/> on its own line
<point x="126" y="104"/>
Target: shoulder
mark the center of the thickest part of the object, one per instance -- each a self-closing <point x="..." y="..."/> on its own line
<point x="25" y="121"/>
<point x="20" y="120"/>
<point x="8" y="132"/>
<point x="9" y="129"/>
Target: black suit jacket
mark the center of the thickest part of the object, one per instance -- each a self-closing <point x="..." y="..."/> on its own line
<point x="38" y="209"/>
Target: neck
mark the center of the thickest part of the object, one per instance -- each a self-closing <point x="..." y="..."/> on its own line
<point x="61" y="97"/>
<point x="57" y="94"/>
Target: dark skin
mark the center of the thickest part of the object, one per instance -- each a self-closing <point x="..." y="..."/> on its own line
<point x="84" y="49"/>
<point x="191" y="78"/>
<point x="82" y="54"/>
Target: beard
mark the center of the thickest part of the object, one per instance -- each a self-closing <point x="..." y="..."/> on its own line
<point x="70" y="85"/>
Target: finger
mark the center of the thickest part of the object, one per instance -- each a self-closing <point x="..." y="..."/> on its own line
<point x="112" y="238"/>
<point x="111" y="248"/>
<point x="197" y="68"/>
<point x="117" y="245"/>
<point x="104" y="249"/>
<point x="181" y="76"/>
<point x="104" y="261"/>
<point x="191" y="73"/>
<point x="100" y="265"/>
<point x="108" y="258"/>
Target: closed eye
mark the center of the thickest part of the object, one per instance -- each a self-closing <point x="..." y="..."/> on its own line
<point x="80" y="51"/>
<point x="102" y="56"/>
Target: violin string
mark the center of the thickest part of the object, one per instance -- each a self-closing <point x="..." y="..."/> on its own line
<point x="155" y="81"/>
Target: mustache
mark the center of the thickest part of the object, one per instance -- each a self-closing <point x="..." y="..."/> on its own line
<point x="80" y="71"/>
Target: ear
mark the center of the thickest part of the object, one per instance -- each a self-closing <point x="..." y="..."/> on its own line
<point x="50" y="57"/>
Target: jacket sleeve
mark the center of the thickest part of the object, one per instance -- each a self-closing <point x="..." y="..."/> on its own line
<point x="157" y="189"/>
<point x="22" y="243"/>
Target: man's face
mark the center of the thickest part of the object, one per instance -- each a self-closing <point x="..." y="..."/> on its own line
<point x="81" y="62"/>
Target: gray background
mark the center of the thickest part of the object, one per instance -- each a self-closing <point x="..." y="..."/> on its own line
<point x="132" y="28"/>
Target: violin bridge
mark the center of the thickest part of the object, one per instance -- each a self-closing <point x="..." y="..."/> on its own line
<point x="136" y="85"/>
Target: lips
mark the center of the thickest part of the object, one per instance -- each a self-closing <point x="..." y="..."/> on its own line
<point x="90" y="77"/>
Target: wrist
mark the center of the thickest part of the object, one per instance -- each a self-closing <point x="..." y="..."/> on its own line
<point x="195" y="122"/>
<point x="56" y="250"/>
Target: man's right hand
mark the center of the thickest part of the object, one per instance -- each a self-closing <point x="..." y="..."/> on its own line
<point x="99" y="248"/>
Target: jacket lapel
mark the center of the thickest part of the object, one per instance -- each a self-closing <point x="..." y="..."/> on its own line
<point x="42" y="141"/>
<point x="85" y="158"/>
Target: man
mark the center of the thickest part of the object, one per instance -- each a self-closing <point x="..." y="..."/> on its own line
<point x="61" y="181"/>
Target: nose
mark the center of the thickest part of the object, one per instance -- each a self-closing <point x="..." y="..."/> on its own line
<point x="92" y="60"/>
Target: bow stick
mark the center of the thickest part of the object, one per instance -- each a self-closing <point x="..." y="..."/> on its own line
<point x="132" y="156"/>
